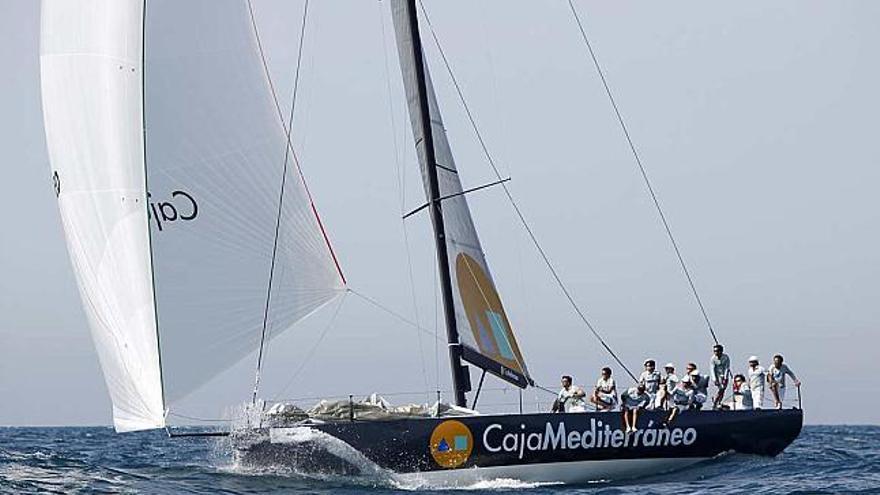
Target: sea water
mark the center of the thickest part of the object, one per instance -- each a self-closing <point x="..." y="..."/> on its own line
<point x="829" y="459"/>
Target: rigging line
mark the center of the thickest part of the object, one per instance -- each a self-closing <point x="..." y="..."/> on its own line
<point x="400" y="171"/>
<point x="644" y="173"/>
<point x="287" y="149"/>
<point x="544" y="389"/>
<point x="394" y="313"/>
<point x="149" y="225"/>
<point x="204" y="420"/>
<point x="287" y="131"/>
<point x="317" y="344"/>
<point x="513" y="203"/>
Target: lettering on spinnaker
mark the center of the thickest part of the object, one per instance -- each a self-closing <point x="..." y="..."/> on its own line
<point x="182" y="207"/>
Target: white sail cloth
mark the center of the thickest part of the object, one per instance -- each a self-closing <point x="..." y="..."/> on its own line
<point x="483" y="327"/>
<point x="91" y="85"/>
<point x="175" y="98"/>
<point x="216" y="149"/>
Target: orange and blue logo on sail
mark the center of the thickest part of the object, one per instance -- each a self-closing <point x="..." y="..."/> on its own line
<point x="485" y="313"/>
<point x="451" y="444"/>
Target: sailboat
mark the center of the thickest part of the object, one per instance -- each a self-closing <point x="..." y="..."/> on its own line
<point x="195" y="241"/>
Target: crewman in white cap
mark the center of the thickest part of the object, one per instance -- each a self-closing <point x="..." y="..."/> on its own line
<point x="700" y="384"/>
<point x="682" y="398"/>
<point x="756" y="382"/>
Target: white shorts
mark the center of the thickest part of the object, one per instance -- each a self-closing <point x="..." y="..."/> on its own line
<point x="758" y="398"/>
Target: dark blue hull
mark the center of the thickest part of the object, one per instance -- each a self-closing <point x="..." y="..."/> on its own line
<point x="573" y="446"/>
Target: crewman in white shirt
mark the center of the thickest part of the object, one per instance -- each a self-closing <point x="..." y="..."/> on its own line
<point x="700" y="385"/>
<point x="669" y="383"/>
<point x="650" y="378"/>
<point x="742" y="396"/>
<point x="776" y="378"/>
<point x="570" y="398"/>
<point x="605" y="394"/>
<point x="682" y="398"/>
<point x="756" y="382"/>
<point x="633" y="399"/>
<point x="719" y="367"/>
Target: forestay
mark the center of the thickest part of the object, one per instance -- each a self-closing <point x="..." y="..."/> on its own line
<point x="484" y="330"/>
<point x="175" y="97"/>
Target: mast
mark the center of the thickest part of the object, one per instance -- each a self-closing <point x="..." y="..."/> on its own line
<point x="460" y="379"/>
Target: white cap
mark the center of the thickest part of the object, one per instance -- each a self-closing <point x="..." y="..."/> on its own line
<point x="753" y="358"/>
<point x="669" y="365"/>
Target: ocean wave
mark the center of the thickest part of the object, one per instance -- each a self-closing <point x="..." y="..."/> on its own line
<point x="835" y="459"/>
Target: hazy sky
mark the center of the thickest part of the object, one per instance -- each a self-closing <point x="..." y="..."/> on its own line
<point x="756" y="121"/>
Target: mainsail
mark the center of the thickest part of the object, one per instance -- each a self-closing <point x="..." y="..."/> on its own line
<point x="174" y="96"/>
<point x="484" y="330"/>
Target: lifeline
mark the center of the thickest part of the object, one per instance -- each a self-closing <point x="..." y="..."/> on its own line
<point x="598" y="436"/>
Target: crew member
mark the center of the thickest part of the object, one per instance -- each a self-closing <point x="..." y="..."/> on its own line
<point x="719" y="366"/>
<point x="742" y="396"/>
<point x="632" y="400"/>
<point x="605" y="394"/>
<point x="756" y="382"/>
<point x="669" y="383"/>
<point x="570" y="398"/>
<point x="682" y="398"/>
<point x="650" y="378"/>
<point x="700" y="385"/>
<point x="776" y="378"/>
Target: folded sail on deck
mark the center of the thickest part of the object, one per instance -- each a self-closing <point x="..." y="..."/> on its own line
<point x="168" y="153"/>
<point x="484" y="330"/>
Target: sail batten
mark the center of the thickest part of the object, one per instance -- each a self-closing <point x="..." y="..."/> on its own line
<point x="483" y="329"/>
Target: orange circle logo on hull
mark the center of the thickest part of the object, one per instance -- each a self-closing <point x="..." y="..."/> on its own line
<point x="451" y="444"/>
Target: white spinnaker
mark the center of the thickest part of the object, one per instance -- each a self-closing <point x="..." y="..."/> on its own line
<point x="482" y="323"/>
<point x="90" y="62"/>
<point x="215" y="141"/>
<point x="215" y="154"/>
